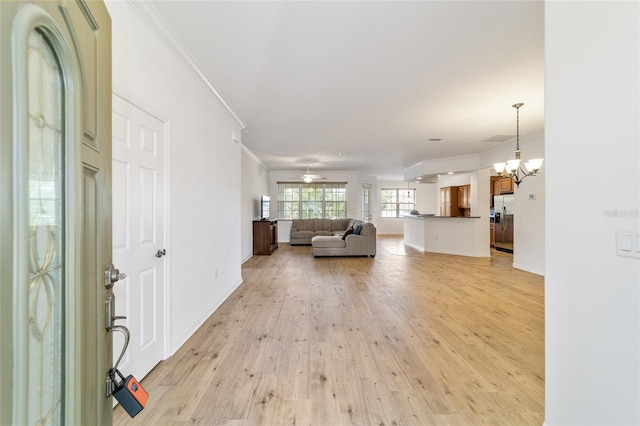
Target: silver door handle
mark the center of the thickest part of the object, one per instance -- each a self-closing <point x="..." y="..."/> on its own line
<point x="110" y="316"/>
<point x="161" y="253"/>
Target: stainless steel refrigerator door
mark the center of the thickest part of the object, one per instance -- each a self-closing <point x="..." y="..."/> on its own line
<point x="503" y="208"/>
<point x="509" y="203"/>
<point x="498" y="204"/>
<point x="507" y="241"/>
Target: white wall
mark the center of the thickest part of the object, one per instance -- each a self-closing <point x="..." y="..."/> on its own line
<point x="255" y="183"/>
<point x="529" y="221"/>
<point x="354" y="182"/>
<point x="204" y="171"/>
<point x="457" y="179"/>
<point x="427" y="198"/>
<point x="592" y="296"/>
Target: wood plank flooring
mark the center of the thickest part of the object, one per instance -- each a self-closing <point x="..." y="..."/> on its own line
<point x="405" y="338"/>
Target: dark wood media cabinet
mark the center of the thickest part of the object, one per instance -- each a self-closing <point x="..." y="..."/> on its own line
<point x="265" y="236"/>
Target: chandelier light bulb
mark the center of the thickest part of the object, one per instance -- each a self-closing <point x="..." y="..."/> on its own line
<point x="534" y="165"/>
<point x="512" y="165"/>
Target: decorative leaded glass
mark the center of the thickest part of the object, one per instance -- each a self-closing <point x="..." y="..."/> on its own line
<point x="46" y="233"/>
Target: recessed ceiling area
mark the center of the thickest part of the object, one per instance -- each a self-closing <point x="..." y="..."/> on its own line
<point x="373" y="80"/>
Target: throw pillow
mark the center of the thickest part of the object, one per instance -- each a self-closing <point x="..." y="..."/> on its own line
<point x="357" y="229"/>
<point x="349" y="231"/>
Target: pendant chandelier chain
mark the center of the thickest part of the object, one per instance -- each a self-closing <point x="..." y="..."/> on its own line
<point x="517" y="106"/>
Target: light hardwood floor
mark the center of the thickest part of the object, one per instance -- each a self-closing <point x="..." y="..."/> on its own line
<point x="405" y="338"/>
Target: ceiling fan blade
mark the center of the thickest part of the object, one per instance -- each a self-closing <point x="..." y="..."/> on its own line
<point x="314" y="177"/>
<point x="308" y="176"/>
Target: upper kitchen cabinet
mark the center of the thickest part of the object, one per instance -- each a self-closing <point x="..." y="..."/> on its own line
<point x="464" y="196"/>
<point x="502" y="185"/>
<point x="464" y="200"/>
<point x="449" y="201"/>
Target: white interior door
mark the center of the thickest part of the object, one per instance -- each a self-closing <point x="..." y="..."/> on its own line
<point x="138" y="234"/>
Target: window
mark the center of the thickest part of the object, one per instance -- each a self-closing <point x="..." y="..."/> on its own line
<point x="46" y="221"/>
<point x="312" y="200"/>
<point x="397" y="202"/>
<point x="366" y="202"/>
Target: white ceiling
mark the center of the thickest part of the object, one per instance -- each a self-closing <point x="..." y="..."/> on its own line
<point x="371" y="80"/>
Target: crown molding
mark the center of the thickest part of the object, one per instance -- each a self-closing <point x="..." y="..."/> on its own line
<point x="150" y="15"/>
<point x="253" y="156"/>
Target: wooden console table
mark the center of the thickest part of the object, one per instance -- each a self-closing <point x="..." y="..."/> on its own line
<point x="265" y="236"/>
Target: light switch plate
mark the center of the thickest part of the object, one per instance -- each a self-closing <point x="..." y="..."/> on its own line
<point x="628" y="243"/>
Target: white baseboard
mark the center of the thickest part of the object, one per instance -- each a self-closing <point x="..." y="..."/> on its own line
<point x="177" y="344"/>
<point x="415" y="246"/>
<point x="462" y="253"/>
<point x="527" y="268"/>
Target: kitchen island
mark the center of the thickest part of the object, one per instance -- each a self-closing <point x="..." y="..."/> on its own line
<point x="464" y="236"/>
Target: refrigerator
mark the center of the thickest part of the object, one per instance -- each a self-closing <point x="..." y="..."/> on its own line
<point x="503" y="206"/>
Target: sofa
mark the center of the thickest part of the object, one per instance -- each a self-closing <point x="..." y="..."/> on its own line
<point x="302" y="230"/>
<point x="326" y="236"/>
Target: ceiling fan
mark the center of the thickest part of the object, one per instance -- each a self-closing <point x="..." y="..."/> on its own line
<point x="309" y="177"/>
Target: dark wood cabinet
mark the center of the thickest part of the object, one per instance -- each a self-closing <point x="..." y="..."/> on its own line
<point x="265" y="236"/>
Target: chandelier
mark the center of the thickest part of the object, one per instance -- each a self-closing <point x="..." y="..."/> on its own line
<point x="512" y="168"/>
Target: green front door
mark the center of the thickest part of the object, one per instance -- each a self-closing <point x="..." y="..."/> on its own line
<point x="55" y="216"/>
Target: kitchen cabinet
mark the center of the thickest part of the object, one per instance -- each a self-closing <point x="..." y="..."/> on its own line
<point x="503" y="186"/>
<point x="492" y="235"/>
<point x="449" y="201"/>
<point x="464" y="200"/>
<point x="464" y="196"/>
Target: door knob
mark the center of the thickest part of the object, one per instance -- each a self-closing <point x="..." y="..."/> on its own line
<point x="161" y="253"/>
